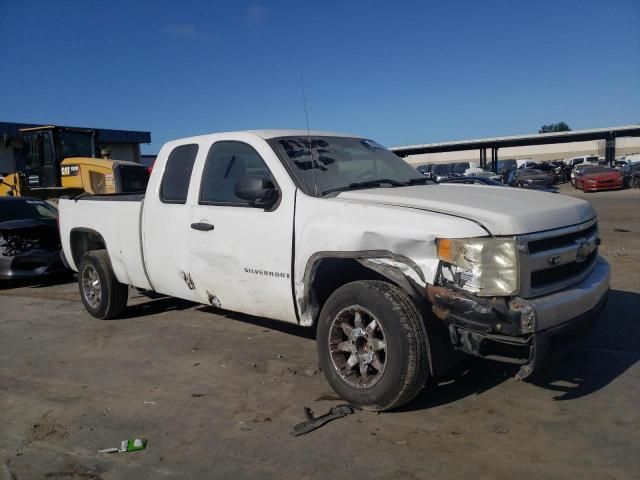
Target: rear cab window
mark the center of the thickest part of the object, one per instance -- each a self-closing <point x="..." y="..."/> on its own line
<point x="177" y="174"/>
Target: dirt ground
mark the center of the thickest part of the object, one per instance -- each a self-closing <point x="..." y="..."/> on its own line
<point x="216" y="394"/>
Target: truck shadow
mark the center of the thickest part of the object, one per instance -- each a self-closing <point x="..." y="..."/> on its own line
<point x="284" y="327"/>
<point x="609" y="350"/>
<point x="40" y="282"/>
<point x="154" y="306"/>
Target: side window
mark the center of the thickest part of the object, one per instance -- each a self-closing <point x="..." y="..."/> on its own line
<point x="226" y="163"/>
<point x="177" y="174"/>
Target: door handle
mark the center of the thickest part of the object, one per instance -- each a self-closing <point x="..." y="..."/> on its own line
<point x="202" y="226"/>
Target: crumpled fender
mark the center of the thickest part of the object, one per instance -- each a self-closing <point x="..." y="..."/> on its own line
<point x="399" y="269"/>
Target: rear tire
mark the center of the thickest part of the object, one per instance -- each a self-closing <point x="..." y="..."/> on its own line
<point x="101" y="293"/>
<point x="379" y="360"/>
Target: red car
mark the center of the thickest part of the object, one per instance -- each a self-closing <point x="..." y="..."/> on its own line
<point x="599" y="178"/>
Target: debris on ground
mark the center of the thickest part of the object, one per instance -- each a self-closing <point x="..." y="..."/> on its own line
<point x="500" y="428"/>
<point x="312" y="423"/>
<point x="127" y="446"/>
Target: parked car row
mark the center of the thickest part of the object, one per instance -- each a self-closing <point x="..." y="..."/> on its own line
<point x="440" y="171"/>
<point x="531" y="174"/>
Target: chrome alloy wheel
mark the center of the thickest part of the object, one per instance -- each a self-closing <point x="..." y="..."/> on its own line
<point x="358" y="347"/>
<point x="91" y="288"/>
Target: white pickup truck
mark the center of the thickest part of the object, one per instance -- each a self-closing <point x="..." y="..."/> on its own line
<point x="322" y="229"/>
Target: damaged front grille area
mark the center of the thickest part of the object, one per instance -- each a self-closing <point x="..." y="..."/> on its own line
<point x="560" y="241"/>
<point x="553" y="260"/>
<point x="558" y="274"/>
<point x="18" y="241"/>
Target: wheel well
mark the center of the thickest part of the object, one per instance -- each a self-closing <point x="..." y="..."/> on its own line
<point x="83" y="241"/>
<point x="329" y="274"/>
<point x="332" y="273"/>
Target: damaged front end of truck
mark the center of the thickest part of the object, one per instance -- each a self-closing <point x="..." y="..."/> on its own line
<point x="486" y="294"/>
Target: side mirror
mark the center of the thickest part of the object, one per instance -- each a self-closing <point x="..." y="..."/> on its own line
<point x="256" y="190"/>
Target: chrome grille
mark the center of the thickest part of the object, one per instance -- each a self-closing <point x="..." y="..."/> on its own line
<point x="553" y="260"/>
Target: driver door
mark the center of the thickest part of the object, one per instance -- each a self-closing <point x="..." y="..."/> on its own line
<point x="240" y="256"/>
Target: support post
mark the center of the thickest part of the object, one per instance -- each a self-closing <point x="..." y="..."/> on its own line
<point x="483" y="158"/>
<point x="494" y="159"/>
<point x="610" y="150"/>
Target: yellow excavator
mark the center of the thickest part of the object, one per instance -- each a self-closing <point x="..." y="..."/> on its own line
<point x="60" y="161"/>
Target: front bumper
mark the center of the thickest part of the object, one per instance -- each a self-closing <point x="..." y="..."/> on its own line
<point x="590" y="187"/>
<point x="31" y="264"/>
<point x="519" y="331"/>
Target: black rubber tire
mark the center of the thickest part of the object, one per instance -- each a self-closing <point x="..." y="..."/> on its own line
<point x="407" y="364"/>
<point x="114" y="295"/>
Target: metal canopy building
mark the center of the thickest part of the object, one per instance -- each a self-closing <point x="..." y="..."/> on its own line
<point x="494" y="144"/>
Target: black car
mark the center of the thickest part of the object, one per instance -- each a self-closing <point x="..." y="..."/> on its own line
<point x="441" y="171"/>
<point x="531" y="178"/>
<point x="547" y="168"/>
<point x="563" y="171"/>
<point x="631" y="175"/>
<point x="425" y="169"/>
<point x="29" y="239"/>
<point x="507" y="165"/>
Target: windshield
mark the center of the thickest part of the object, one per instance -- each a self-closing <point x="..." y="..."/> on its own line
<point x="74" y="144"/>
<point x="340" y="163"/>
<point x="27" y="209"/>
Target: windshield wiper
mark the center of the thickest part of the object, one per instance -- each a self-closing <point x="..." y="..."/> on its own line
<point x="367" y="184"/>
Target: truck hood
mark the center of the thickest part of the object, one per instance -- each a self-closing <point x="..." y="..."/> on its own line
<point x="502" y="211"/>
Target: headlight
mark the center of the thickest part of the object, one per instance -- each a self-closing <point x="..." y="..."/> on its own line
<point x="485" y="266"/>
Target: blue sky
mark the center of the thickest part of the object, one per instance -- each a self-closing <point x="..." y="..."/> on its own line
<point x="400" y="72"/>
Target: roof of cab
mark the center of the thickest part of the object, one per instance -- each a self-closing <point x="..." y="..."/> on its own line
<point x="266" y="134"/>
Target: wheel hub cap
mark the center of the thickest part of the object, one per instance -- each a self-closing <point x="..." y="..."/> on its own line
<point x="357" y="346"/>
<point x="91" y="288"/>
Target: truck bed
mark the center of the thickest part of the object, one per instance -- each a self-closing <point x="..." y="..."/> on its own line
<point x="116" y="218"/>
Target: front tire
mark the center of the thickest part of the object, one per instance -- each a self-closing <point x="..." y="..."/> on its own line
<point x="101" y="293"/>
<point x="372" y="345"/>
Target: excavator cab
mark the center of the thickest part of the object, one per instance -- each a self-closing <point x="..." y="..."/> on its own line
<point x="44" y="149"/>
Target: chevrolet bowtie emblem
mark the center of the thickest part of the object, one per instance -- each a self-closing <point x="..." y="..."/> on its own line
<point x="554" y="260"/>
<point x="583" y="251"/>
